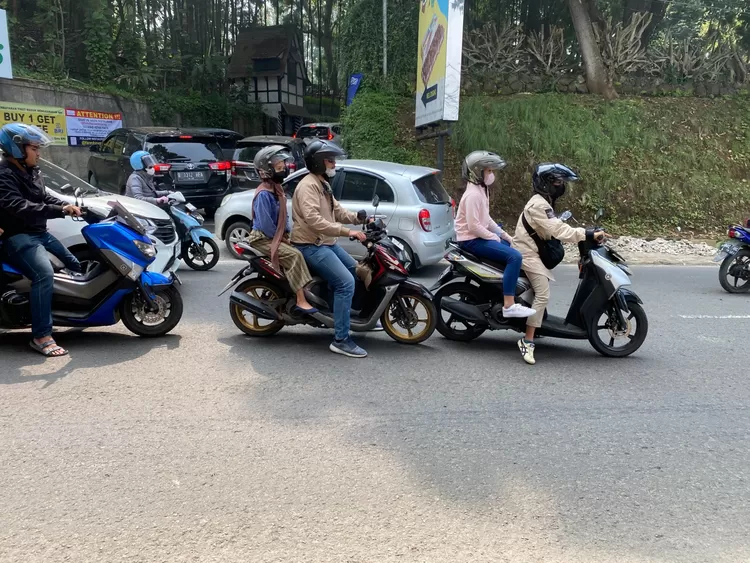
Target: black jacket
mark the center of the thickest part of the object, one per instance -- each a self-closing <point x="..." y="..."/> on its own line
<point x="25" y="205"/>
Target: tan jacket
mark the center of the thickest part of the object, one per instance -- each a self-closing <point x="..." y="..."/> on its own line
<point x="318" y="218"/>
<point x="542" y="219"/>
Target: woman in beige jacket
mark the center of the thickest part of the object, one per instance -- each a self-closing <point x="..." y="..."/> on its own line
<point x="549" y="181"/>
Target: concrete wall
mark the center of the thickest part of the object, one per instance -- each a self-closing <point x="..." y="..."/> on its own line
<point x="74" y="159"/>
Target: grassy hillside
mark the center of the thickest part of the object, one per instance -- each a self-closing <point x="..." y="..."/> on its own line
<point x="655" y="164"/>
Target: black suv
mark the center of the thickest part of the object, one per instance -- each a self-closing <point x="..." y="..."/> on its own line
<point x="244" y="176"/>
<point x="195" y="162"/>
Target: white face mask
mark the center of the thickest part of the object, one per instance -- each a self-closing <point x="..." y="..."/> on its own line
<point x="489" y="178"/>
<point x="150" y="171"/>
<point x="330" y="172"/>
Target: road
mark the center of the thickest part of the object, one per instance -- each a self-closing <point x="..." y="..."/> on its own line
<point x="208" y="446"/>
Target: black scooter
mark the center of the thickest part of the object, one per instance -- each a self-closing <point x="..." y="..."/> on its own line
<point x="604" y="311"/>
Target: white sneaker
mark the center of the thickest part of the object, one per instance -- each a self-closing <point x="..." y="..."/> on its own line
<point x="527" y="351"/>
<point x="518" y="311"/>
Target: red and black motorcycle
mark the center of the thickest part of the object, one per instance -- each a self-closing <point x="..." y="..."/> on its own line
<point x="263" y="302"/>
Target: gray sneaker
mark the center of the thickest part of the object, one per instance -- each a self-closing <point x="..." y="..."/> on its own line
<point x="347" y="348"/>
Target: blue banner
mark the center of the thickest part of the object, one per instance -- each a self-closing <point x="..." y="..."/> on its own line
<point x="354" y="81"/>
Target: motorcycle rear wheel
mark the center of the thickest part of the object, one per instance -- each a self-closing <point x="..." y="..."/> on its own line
<point x="403" y="314"/>
<point x="247" y="322"/>
<point x="739" y="260"/>
<point x="468" y="294"/>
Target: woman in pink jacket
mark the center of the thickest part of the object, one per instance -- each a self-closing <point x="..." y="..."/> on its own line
<point x="479" y="234"/>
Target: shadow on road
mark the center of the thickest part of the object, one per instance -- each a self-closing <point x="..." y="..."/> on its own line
<point x="88" y="349"/>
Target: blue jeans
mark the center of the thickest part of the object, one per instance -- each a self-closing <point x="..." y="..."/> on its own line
<point x="498" y="252"/>
<point x="333" y="264"/>
<point x="28" y="254"/>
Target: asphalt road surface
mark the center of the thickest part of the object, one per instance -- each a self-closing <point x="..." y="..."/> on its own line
<point x="208" y="446"/>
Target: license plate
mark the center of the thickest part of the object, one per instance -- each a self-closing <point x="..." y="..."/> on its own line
<point x="190" y="176"/>
<point x="190" y="207"/>
<point x="397" y="244"/>
<point x="725" y="250"/>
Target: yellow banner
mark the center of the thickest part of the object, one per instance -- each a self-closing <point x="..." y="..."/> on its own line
<point x="48" y="119"/>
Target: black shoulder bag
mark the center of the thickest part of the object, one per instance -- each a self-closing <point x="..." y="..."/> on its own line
<point x="551" y="251"/>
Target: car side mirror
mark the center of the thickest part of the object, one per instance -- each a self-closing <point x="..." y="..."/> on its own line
<point x="95" y="148"/>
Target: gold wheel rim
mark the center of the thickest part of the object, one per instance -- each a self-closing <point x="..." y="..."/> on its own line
<point x="249" y="320"/>
<point x="408" y="330"/>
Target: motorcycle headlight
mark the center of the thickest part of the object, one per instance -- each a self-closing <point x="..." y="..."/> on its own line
<point x="147" y="249"/>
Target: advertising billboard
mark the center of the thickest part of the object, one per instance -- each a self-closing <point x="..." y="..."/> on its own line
<point x="441" y="25"/>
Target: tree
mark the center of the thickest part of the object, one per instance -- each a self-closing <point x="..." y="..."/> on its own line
<point x="596" y="73"/>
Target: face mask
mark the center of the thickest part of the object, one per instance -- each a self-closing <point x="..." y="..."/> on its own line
<point x="279" y="177"/>
<point x="489" y="178"/>
<point x="330" y="172"/>
<point x="150" y="171"/>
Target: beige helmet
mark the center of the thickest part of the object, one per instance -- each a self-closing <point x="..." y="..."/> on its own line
<point x="477" y="162"/>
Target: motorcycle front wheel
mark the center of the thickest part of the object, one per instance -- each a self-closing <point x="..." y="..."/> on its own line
<point x="152" y="321"/>
<point x="609" y="340"/>
<point x="201" y="257"/>
<point x="409" y="318"/>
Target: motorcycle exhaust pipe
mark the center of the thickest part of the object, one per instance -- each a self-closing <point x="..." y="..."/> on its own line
<point x="465" y="311"/>
<point x="254" y="306"/>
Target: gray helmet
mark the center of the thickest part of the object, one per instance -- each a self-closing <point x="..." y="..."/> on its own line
<point x="477" y="162"/>
<point x="266" y="157"/>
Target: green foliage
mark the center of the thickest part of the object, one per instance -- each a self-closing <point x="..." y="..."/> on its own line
<point x="201" y="111"/>
<point x="98" y="42"/>
<point x="372" y="129"/>
<point x="362" y="36"/>
<point x="654" y="164"/>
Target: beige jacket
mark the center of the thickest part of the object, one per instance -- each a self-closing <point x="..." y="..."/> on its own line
<point x="318" y="218"/>
<point x="542" y="219"/>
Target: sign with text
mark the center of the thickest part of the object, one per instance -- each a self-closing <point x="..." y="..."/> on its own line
<point x="6" y="68"/>
<point x="49" y="119"/>
<point x="441" y="24"/>
<point x="86" y="128"/>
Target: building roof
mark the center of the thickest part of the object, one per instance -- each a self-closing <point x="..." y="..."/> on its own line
<point x="265" y="43"/>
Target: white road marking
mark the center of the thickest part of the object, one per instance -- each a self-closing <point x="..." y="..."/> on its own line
<point x="714" y="316"/>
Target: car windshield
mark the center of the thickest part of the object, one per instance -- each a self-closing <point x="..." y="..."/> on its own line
<point x="319" y="132"/>
<point x="430" y="190"/>
<point x="176" y="150"/>
<point x="55" y="178"/>
<point x="247" y="153"/>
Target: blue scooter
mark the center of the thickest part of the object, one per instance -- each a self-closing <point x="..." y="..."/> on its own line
<point x="116" y="286"/>
<point x="199" y="250"/>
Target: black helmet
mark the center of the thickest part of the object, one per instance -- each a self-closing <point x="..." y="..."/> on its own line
<point x="318" y="151"/>
<point x="549" y="180"/>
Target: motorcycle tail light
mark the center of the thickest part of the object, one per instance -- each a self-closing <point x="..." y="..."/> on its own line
<point x="732" y="233"/>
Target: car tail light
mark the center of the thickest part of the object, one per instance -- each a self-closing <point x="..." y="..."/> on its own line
<point x="162" y="168"/>
<point x="186" y="136"/>
<point x="226" y="165"/>
<point x="294" y="136"/>
<point x="330" y="135"/>
<point x="425" y="221"/>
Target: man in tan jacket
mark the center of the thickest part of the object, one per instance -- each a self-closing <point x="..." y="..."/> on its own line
<point x="318" y="222"/>
<point x="549" y="182"/>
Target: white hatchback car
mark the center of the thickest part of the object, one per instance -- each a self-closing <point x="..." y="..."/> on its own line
<point x="68" y="231"/>
<point x="419" y="212"/>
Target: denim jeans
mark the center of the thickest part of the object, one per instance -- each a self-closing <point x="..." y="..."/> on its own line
<point x="498" y="252"/>
<point x="333" y="264"/>
<point x="28" y="254"/>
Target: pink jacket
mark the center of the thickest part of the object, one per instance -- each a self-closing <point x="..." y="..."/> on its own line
<point x="473" y="219"/>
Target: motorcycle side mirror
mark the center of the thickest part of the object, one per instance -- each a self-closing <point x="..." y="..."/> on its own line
<point x="566" y="215"/>
<point x="78" y="193"/>
<point x="376" y="201"/>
